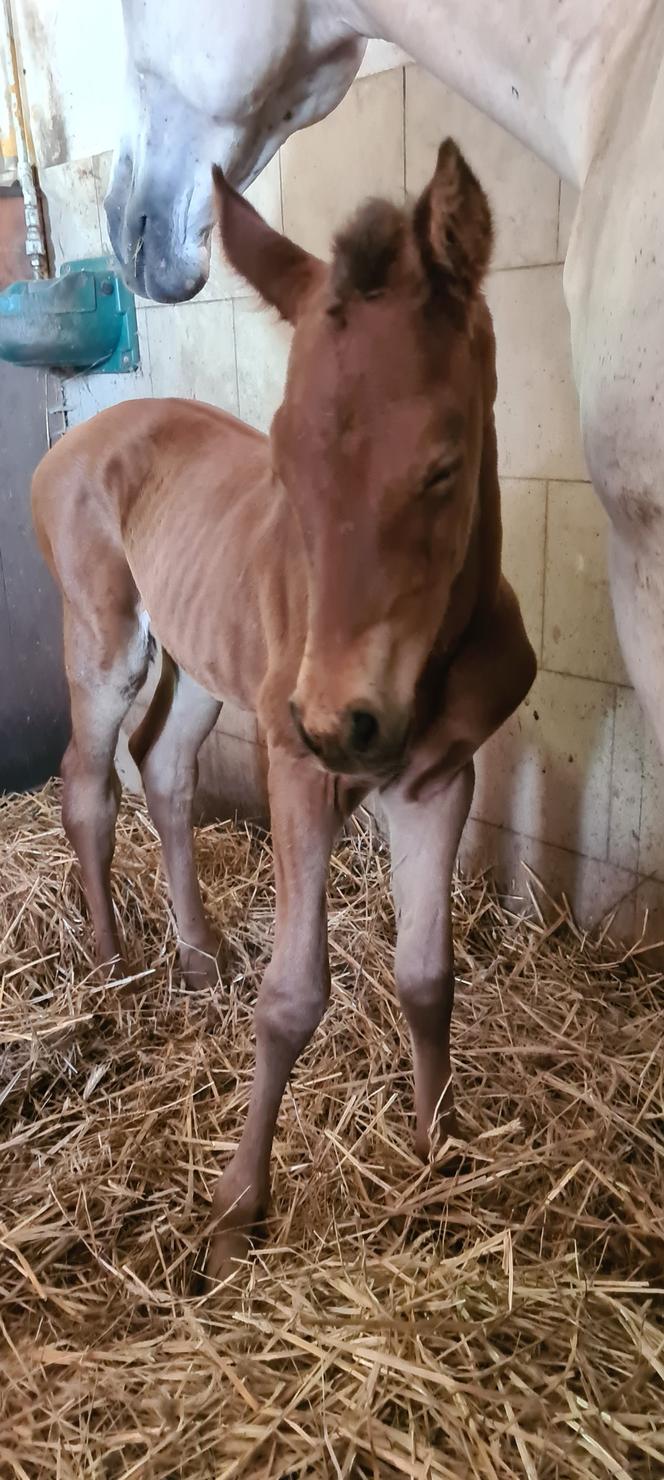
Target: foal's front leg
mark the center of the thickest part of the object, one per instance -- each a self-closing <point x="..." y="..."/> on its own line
<point x="294" y="992"/>
<point x="424" y="841"/>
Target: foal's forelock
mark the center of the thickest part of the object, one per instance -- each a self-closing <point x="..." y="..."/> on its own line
<point x="444" y="247"/>
<point x="367" y="254"/>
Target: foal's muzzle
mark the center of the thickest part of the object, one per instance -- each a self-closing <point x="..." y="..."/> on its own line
<point x="363" y="741"/>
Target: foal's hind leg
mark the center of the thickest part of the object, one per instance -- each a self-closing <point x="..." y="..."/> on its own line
<point x="105" y="670"/>
<point x="181" y="716"/>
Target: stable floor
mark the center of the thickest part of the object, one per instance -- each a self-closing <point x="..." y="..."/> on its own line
<point x="502" y="1322"/>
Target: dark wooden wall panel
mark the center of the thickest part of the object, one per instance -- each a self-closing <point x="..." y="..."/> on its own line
<point x="33" y="702"/>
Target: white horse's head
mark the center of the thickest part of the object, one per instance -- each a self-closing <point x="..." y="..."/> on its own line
<point x="211" y="82"/>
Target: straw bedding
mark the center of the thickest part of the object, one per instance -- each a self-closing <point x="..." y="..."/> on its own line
<point x="503" y="1321"/>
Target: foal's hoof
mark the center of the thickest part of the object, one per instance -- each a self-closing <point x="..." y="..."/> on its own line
<point x="111" y="968"/>
<point x="450" y="1157"/>
<point x="128" y="981"/>
<point x="451" y="1161"/>
<point x="227" y="1251"/>
<point x="200" y="966"/>
<point x="441" y="1147"/>
<point x="238" y="1212"/>
<point x="431" y="1140"/>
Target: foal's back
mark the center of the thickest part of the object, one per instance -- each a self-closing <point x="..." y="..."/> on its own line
<point x="126" y="468"/>
<point x="168" y="504"/>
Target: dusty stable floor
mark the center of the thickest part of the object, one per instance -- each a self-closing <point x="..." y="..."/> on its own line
<point x="504" y="1322"/>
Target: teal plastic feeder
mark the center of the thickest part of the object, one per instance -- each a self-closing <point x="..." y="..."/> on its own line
<point x="85" y="319"/>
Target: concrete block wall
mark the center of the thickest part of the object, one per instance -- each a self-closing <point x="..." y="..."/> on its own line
<point x="573" y="787"/>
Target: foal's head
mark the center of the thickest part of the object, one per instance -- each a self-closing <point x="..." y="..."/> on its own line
<point x="377" y="443"/>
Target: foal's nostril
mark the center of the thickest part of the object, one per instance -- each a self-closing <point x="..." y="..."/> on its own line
<point x="363" y="730"/>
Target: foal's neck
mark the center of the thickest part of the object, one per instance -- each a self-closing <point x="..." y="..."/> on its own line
<point x="547" y="70"/>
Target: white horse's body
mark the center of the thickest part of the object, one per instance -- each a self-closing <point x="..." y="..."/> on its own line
<point x="581" y="82"/>
<point x="218" y="81"/>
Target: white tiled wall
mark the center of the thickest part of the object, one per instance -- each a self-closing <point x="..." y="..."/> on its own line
<point x="536" y="407"/>
<point x="262" y="344"/>
<point x="523" y="192"/>
<point x="573" y="787"/>
<point x="192" y="352"/>
<point x="356" y="152"/>
<point x="579" y="632"/>
<point x="524" y="504"/>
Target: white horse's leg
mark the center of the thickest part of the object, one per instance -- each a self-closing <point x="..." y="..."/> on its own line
<point x="637" y="589"/>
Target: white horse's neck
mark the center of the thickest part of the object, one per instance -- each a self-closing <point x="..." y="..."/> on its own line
<point x="547" y="70"/>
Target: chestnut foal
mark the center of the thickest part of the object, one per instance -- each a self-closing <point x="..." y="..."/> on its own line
<point x="342" y="579"/>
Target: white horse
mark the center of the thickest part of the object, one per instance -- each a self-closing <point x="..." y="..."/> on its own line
<point x="581" y="82"/>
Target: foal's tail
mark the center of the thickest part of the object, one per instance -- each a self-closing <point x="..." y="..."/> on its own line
<point x="148" y="731"/>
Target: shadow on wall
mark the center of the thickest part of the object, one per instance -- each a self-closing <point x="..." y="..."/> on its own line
<point x="528" y="788"/>
<point x="540" y="808"/>
<point x="529" y="785"/>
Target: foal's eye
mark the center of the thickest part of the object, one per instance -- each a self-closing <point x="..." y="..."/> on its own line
<point x="440" y="481"/>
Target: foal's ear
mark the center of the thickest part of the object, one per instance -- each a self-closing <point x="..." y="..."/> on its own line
<point x="277" y="268"/>
<point x="453" y="228"/>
